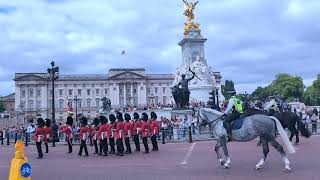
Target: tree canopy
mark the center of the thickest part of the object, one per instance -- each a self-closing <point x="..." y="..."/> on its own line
<point x="312" y="94"/>
<point x="228" y="86"/>
<point x="2" y="107"/>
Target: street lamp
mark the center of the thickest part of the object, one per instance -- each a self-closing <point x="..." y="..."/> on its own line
<point x="54" y="75"/>
<point x="76" y="99"/>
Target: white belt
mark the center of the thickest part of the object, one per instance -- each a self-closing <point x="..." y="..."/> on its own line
<point x="104" y="134"/>
<point x="40" y="138"/>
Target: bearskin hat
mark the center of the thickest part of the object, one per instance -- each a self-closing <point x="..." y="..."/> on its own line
<point x="119" y="116"/>
<point x="112" y="118"/>
<point x="144" y="116"/>
<point x="48" y="122"/>
<point x="40" y="122"/>
<point x="127" y="117"/>
<point x="103" y="119"/>
<point x="96" y="121"/>
<point x="153" y="115"/>
<point x="136" y="116"/>
<point x="83" y="121"/>
<point x="69" y="121"/>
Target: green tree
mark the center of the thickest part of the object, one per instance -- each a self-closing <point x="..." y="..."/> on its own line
<point x="2" y="107"/>
<point x="312" y="95"/>
<point x="261" y="93"/>
<point x="228" y="86"/>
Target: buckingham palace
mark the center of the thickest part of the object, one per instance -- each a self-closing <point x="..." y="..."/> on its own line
<point x="33" y="91"/>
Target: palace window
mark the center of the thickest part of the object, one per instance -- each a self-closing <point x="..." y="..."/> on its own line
<point x="88" y="92"/>
<point x="148" y="90"/>
<point x="23" y="93"/>
<point x="134" y="91"/>
<point x="70" y="92"/>
<point x="31" y="92"/>
<point x="120" y="91"/>
<point x="30" y="104"/>
<point x="88" y="103"/>
<point x="97" y="92"/>
<point x="163" y="90"/>
<point x="79" y="92"/>
<point x="60" y="104"/>
<point x="79" y="103"/>
<point x="22" y="104"/>
<point x="38" y="105"/>
<point x="105" y="91"/>
<point x="38" y="92"/>
<point x="156" y="90"/>
<point x="97" y="102"/>
<point x="60" y="92"/>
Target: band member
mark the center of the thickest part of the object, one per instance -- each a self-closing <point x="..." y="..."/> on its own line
<point x="94" y="131"/>
<point x="39" y="136"/>
<point x="145" y="128"/>
<point x="104" y="133"/>
<point x="119" y="135"/>
<point x="127" y="132"/>
<point x="68" y="130"/>
<point x="136" y="130"/>
<point x="83" y="135"/>
<point x="112" y="119"/>
<point x="155" y="129"/>
<point x="47" y="134"/>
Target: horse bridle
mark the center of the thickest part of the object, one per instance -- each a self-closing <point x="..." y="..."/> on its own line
<point x="199" y="115"/>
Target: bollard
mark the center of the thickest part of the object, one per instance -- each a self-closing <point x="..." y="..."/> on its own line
<point x="20" y="168"/>
<point x="190" y="135"/>
<point x="162" y="134"/>
<point x="26" y="136"/>
<point x="8" y="139"/>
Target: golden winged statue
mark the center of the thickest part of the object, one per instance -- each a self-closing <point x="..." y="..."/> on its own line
<point x="188" y="12"/>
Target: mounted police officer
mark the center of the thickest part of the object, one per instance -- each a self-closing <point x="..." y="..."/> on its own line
<point x="233" y="111"/>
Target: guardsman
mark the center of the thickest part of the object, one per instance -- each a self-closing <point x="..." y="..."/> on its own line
<point x="155" y="129"/>
<point x="104" y="133"/>
<point x="39" y="136"/>
<point x="48" y="134"/>
<point x="94" y="131"/>
<point x="68" y="130"/>
<point x="83" y="135"/>
<point x="127" y="132"/>
<point x="145" y="131"/>
<point x="119" y="134"/>
<point x="112" y="119"/>
<point x="136" y="130"/>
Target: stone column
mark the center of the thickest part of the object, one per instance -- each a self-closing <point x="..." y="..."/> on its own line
<point x="131" y="92"/>
<point x="138" y="94"/>
<point x="17" y="97"/>
<point x="124" y="94"/>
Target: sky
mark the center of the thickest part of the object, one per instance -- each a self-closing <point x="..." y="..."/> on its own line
<point x="249" y="41"/>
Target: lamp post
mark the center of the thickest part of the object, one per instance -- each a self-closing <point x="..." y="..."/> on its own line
<point x="53" y="75"/>
<point x="76" y="99"/>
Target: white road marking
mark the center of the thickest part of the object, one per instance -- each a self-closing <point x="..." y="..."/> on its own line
<point x="110" y="165"/>
<point x="9" y="166"/>
<point x="186" y="158"/>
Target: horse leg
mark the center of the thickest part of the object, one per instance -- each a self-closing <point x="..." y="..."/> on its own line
<point x="223" y="142"/>
<point x="265" y="148"/>
<point x="259" y="143"/>
<point x="279" y="148"/>
<point x="217" y="147"/>
<point x="291" y="136"/>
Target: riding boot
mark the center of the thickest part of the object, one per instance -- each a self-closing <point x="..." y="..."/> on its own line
<point x="229" y="131"/>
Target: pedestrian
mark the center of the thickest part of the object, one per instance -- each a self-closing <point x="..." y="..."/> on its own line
<point x="2" y="135"/>
<point x="48" y="132"/>
<point x="94" y="131"/>
<point x="145" y="131"/>
<point x="155" y="129"/>
<point x="112" y="119"/>
<point x="83" y="135"/>
<point x="127" y="132"/>
<point x="39" y="136"/>
<point x="136" y="130"/>
<point x="104" y="133"/>
<point x="119" y="135"/>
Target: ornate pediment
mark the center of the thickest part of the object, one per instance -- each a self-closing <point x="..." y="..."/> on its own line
<point x="127" y="75"/>
<point x="30" y="77"/>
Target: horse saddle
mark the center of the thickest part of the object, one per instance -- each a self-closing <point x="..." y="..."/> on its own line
<point x="237" y="124"/>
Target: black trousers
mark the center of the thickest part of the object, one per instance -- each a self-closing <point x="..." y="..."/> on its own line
<point x="104" y="146"/>
<point x="70" y="145"/>
<point x="112" y="144"/>
<point x="95" y="144"/>
<point x="1" y="137"/>
<point x="145" y="143"/>
<point x="120" y="147"/>
<point x="136" y="141"/>
<point x="39" y="148"/>
<point x="46" y="146"/>
<point x="128" y="147"/>
<point x="154" y="142"/>
<point x="83" y="146"/>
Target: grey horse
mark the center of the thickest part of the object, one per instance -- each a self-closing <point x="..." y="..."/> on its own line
<point x="254" y="126"/>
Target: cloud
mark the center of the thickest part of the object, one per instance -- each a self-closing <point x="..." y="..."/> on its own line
<point x="249" y="41"/>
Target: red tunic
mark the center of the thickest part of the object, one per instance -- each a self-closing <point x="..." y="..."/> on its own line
<point x="48" y="132"/>
<point x="104" y="131"/>
<point x="145" y="129"/>
<point x="128" y="129"/>
<point x="119" y="130"/>
<point x="84" y="133"/>
<point x="95" y="134"/>
<point x="68" y="130"/>
<point x="39" y="134"/>
<point x="136" y="127"/>
<point x="154" y="127"/>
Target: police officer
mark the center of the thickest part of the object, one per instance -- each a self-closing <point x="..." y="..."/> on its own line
<point x="119" y="134"/>
<point x="233" y="111"/>
<point x="155" y="128"/>
<point x="39" y="136"/>
<point x="145" y="131"/>
<point x="127" y="132"/>
<point x="112" y="119"/>
<point x="83" y="135"/>
<point x="136" y="130"/>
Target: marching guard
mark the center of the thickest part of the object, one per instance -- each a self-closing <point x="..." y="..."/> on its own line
<point x="94" y="131"/>
<point x="118" y="134"/>
<point x="68" y="130"/>
<point x="48" y="131"/>
<point x="145" y="128"/>
<point x="127" y="132"/>
<point x="104" y="133"/>
<point x="39" y="136"/>
<point x="155" y="129"/>
<point x="136" y="130"/>
<point x="112" y="119"/>
<point x="83" y="135"/>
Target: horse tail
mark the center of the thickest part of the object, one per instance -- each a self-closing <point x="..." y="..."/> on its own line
<point x="284" y="136"/>
<point x="302" y="128"/>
